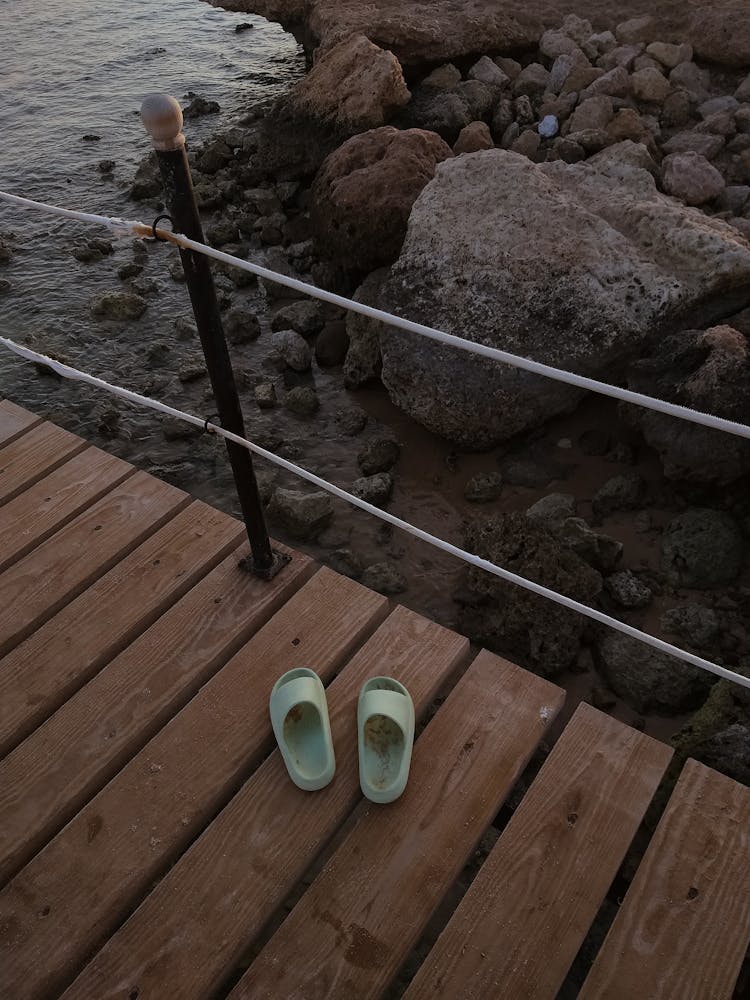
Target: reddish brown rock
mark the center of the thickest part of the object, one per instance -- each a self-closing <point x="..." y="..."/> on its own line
<point x="364" y="192"/>
<point x="474" y="137"/>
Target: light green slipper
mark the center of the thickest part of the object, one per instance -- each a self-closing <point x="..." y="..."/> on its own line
<point x="385" y="726"/>
<point x="299" y="716"/>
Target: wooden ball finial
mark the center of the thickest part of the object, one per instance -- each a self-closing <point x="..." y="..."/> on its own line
<point x="162" y="117"/>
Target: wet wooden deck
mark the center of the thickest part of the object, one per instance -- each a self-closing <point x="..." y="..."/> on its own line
<point x="150" y="840"/>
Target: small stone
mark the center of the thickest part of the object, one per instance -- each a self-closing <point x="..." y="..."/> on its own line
<point x="694" y="622"/>
<point x="125" y="271"/>
<point x="484" y="487"/>
<point x="650" y="85"/>
<point x="691" y="78"/>
<point x="533" y="81"/>
<point x="345" y="562"/>
<point x="243" y="26"/>
<point x="555" y="43"/>
<point x="174" y="429"/>
<point x="694" y="142"/>
<point x="5" y="286"/>
<point x="510" y="135"/>
<point x="192" y="369"/>
<point x="622" y="55"/>
<point x="616" y="83"/>
<point x="646" y="62"/>
<point x="502" y="117"/>
<point x="293" y="350"/>
<point x="302" y="400"/>
<point x="265" y="395"/>
<point x="302" y="515"/>
<point x="241" y="326"/>
<point x="624" y="492"/>
<point x="385" y="578"/>
<point x="702" y="548"/>
<point x="636" y="29"/>
<point x="185" y="328"/>
<point x="106" y="166"/>
<point x="595" y="113"/>
<point x="733" y="199"/>
<point x="199" y="106"/>
<point x="627" y="590"/>
<point x="443" y="78"/>
<point x="487" y="71"/>
<point x="717" y="104"/>
<point x="379" y="455"/>
<point x="472" y="138"/>
<point x="305" y="317"/>
<point x="86" y="254"/>
<point x="548" y="127"/>
<point x="691" y="178"/>
<point x="603" y="41"/>
<point x="524" y="111"/>
<point x="569" y="151"/>
<point x="553" y="509"/>
<point x="677" y="110"/>
<point x="375" y="489"/>
<point x="118" y="306"/>
<point x="527" y="144"/>
<point x="510" y="67"/>
<point x="90" y="137"/>
<point x="670" y="55"/>
<point x="176" y="272"/>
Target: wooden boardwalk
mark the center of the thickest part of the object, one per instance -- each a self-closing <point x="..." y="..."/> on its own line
<point x="151" y="843"/>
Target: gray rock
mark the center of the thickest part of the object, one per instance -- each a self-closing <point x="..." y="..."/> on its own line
<point x="648" y="680"/>
<point x="695" y="142"/>
<point x="118" y="305"/>
<point x="5" y="286"/>
<point x="241" y="326"/>
<point x="176" y="272"/>
<point x="695" y="623"/>
<point x="363" y="360"/>
<point x="526" y="472"/>
<point x="627" y="590"/>
<point x="515" y="621"/>
<point x="562" y="67"/>
<point x="385" y="577"/>
<point x="444" y="112"/>
<point x="616" y="83"/>
<point x="302" y="515"/>
<point x="200" y="106"/>
<point x="345" y="562"/>
<point x="622" y="55"/>
<point x="375" y="489"/>
<point x="717" y="104"/>
<point x="265" y="395"/>
<point x="510" y="67"/>
<point x="689" y="77"/>
<point x="650" y="86"/>
<point x="600" y="551"/>
<point x="702" y="549"/>
<point x="670" y="55"/>
<point x="293" y="350"/>
<point x="528" y="144"/>
<point x="556" y="43"/>
<point x="595" y="113"/>
<point x="304" y="317"/>
<point x="553" y="509"/>
<point x="443" y="78"/>
<point x="548" y="127"/>
<point x="691" y="178"/>
<point x="484" y="487"/>
<point x="636" y="29"/>
<point x="129" y="270"/>
<point x="624" y="492"/>
<point x="502" y="118"/>
<point x="728" y="751"/>
<point x="488" y="72"/>
<point x="533" y="81"/>
<point x="302" y="400"/>
<point x="332" y="344"/>
<point x="379" y="455"/>
<point x="350" y="420"/>
<point x="540" y="260"/>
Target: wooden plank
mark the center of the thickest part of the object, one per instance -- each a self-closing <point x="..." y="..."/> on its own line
<point x="37" y="676"/>
<point x="33" y="455"/>
<point x="684" y="927"/>
<point x="356" y="924"/>
<point x="101" y="864"/>
<point x="38" y="512"/>
<point x="60" y="766"/>
<point x="520" y="925"/>
<point x="15" y="421"/>
<point x="37" y="586"/>
<point x="194" y="925"/>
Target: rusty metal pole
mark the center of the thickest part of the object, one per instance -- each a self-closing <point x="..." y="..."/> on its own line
<point x="162" y="117"/>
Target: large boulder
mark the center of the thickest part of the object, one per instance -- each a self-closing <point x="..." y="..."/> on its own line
<point x="353" y="86"/>
<point x="365" y="190"/>
<point x="545" y="262"/>
<point x="512" y="620"/>
<point x="707" y="370"/>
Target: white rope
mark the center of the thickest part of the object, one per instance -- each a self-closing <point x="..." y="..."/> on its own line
<point x="468" y="557"/>
<point x="120" y="227"/>
<point x="448" y="339"/>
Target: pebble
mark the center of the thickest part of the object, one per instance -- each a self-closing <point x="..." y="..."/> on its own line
<point x="548" y="127"/>
<point x="265" y="395"/>
<point x="302" y="400"/>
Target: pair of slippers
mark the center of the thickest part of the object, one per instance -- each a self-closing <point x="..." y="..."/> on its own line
<point x="385" y="727"/>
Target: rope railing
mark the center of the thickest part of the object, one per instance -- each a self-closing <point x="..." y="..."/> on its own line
<point x="122" y="227"/>
<point x="68" y="372"/>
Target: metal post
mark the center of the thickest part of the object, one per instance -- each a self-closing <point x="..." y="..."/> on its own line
<point x="162" y="117"/>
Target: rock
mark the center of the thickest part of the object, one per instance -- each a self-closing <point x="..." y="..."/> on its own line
<point x="603" y="41"/>
<point x="265" y="395"/>
<point x="304" y="317"/>
<point x="695" y="623"/>
<point x="569" y="151"/>
<point x="623" y="55"/>
<point x="474" y="137"/>
<point x="524" y="111"/>
<point x="443" y="78"/>
<point x="650" y="85"/>
<point x="648" y="680"/>
<point x="350" y="420"/>
<point x="702" y="549"/>
<point x="241" y="326"/>
<point x="486" y="71"/>
<point x="552" y="509"/>
<point x="733" y="199"/>
<point x="365" y="190"/>
<point x="118" y="305"/>
<point x="721" y="35"/>
<point x="677" y="110"/>
<point x="192" y="369"/>
<point x="628" y="124"/>
<point x="646" y="62"/>
<point x="484" y="487"/>
<point x="600" y="551"/>
<point x="363" y="359"/>
<point x="707" y="371"/>
<point x="670" y="55"/>
<point x="694" y="142"/>
<point x="691" y="178"/>
<point x="5" y="286"/>
<point x="616" y="83"/>
<point x="442" y="112"/>
<point x="515" y="621"/>
<point x="353" y="86"/>
<point x="129" y="270"/>
<point x="375" y="489"/>
<point x="302" y="515"/>
<point x="90" y="137"/>
<point x="636" y="29"/>
<point x="214" y="157"/>
<point x="528" y="144"/>
<point x="714" y="105"/>
<point x="243" y="26"/>
<point x="548" y="127"/>
<point x="510" y="135"/>
<point x="86" y="254"/>
<point x="293" y="350"/>
<point x="302" y="400"/>
<point x="627" y="590"/>
<point x="596" y="278"/>
<point x="727" y="751"/>
<point x="556" y="43"/>
<point x="478" y="98"/>
<point x="691" y="78"/>
<point x="332" y="344"/>
<point x="742" y="120"/>
<point x="562" y="67"/>
<point x="510" y="67"/>
<point x="625" y="492"/>
<point x="384" y="577"/>
<point x="379" y="455"/>
<point x="595" y="113"/>
<point x="199" y="106"/>
<point x="533" y="80"/>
